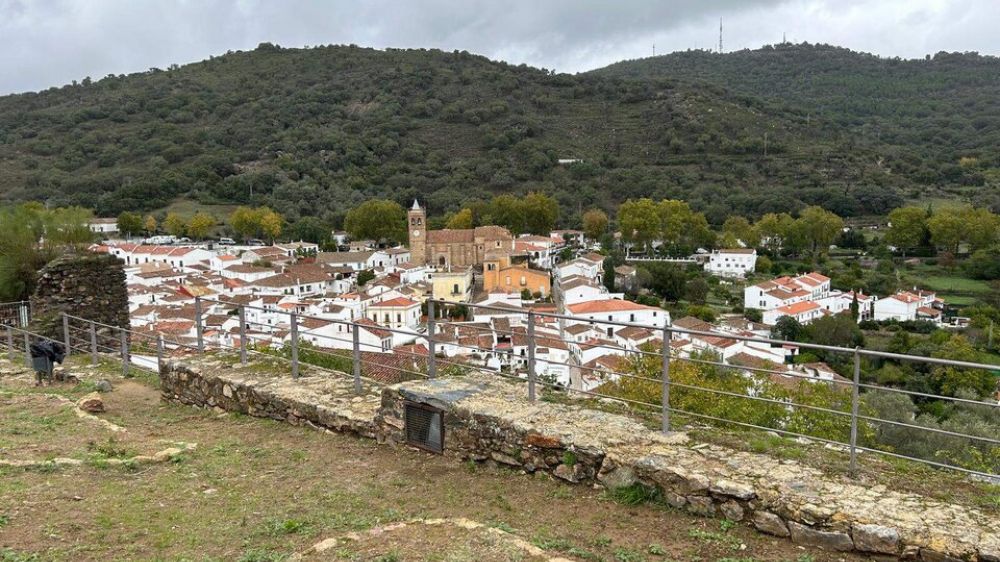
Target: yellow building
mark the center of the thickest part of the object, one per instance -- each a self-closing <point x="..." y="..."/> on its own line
<point x="499" y="273"/>
<point x="453" y="286"/>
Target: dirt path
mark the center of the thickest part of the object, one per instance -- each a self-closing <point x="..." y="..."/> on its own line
<point x="257" y="490"/>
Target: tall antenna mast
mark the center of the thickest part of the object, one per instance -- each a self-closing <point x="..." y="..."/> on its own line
<point x="720" y="35"/>
<point x="654" y="48"/>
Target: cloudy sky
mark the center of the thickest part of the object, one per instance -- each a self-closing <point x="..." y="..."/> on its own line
<point x="51" y="42"/>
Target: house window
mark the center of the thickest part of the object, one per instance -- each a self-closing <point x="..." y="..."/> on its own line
<point x="454" y="289"/>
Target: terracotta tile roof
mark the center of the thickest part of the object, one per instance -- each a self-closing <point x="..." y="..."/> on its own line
<point x="451" y="236"/>
<point x="692" y="323"/>
<point x="396" y="302"/>
<point x="798" y="308"/>
<point x="374" y="328"/>
<point x="610" y="305"/>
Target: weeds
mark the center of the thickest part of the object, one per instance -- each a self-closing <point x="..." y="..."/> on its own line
<point x="634" y="494"/>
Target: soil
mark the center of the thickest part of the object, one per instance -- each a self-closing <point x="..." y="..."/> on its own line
<point x="257" y="490"/>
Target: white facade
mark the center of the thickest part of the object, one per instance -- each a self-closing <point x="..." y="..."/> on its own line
<point x="731" y="263"/>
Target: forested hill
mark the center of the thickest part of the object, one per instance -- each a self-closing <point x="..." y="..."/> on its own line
<point x="936" y="110"/>
<point x="315" y="131"/>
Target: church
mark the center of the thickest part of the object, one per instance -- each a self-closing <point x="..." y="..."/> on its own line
<point x="455" y="248"/>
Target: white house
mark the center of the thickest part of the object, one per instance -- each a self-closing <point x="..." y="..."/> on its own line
<point x="104" y="226"/>
<point x="397" y="313"/>
<point x="599" y="312"/>
<point x="356" y="260"/>
<point x="580" y="289"/>
<point x="906" y="305"/>
<point x="803" y="311"/>
<point x="735" y="262"/>
<point x="299" y="284"/>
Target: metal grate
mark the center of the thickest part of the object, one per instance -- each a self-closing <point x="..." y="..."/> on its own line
<point x="424" y="426"/>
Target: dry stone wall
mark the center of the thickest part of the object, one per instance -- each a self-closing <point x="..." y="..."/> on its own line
<point x="87" y="285"/>
<point x="488" y="420"/>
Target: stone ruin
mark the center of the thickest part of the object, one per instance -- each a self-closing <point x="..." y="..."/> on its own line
<point x="87" y="285"/>
<point x="487" y="419"/>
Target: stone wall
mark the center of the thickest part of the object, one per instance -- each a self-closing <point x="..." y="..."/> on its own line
<point x="87" y="285"/>
<point x="320" y="400"/>
<point x="487" y="419"/>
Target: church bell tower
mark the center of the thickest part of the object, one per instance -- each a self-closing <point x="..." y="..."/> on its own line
<point x="417" y="234"/>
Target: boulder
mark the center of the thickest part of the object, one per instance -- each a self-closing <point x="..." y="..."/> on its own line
<point x="91" y="403"/>
<point x="767" y="522"/>
<point x="808" y="536"/>
<point x="875" y="538"/>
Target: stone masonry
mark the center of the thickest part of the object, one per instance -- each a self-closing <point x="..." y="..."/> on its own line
<point x="87" y="285"/>
<point x="488" y="419"/>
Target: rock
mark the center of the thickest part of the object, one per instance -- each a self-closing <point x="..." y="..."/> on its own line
<point x="91" y="403"/>
<point x="504" y="459"/>
<point x="732" y="510"/>
<point x="674" y="500"/>
<point x="989" y="556"/>
<point x="875" y="538"/>
<point x="769" y="523"/>
<point x="732" y="489"/>
<point x="833" y="540"/>
<point x="104" y="385"/>
<point x="701" y="505"/>
<point x="928" y="555"/>
<point x="619" y="477"/>
<point x="568" y="473"/>
<point x="543" y="441"/>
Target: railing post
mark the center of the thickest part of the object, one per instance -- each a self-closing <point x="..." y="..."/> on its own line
<point x="243" y="335"/>
<point x="10" y="342"/>
<point x="665" y="402"/>
<point x="66" y="340"/>
<point x="159" y="353"/>
<point x="93" y="343"/>
<point x="27" y="350"/>
<point x="123" y="335"/>
<point x="356" y="344"/>
<point x="198" y="328"/>
<point x="294" y="321"/>
<point x="531" y="355"/>
<point x="854" y="411"/>
<point x="431" y="351"/>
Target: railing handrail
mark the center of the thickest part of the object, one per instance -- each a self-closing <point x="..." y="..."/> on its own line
<point x="512" y="365"/>
<point x="738" y="337"/>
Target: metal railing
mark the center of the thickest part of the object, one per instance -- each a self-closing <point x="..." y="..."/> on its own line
<point x="372" y="354"/>
<point x="15" y="313"/>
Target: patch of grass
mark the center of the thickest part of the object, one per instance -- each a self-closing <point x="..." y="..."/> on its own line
<point x="628" y="555"/>
<point x="262" y="555"/>
<point x="634" y="494"/>
<point x="502" y="526"/>
<point x="545" y="542"/>
<point x="656" y="550"/>
<point x="716" y="538"/>
<point x="276" y="527"/>
<point x="389" y="557"/>
<point x="569" y="458"/>
<point x="8" y="555"/>
<point x="561" y="492"/>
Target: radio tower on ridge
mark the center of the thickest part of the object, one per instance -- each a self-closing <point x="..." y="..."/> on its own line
<point x="720" y="35"/>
